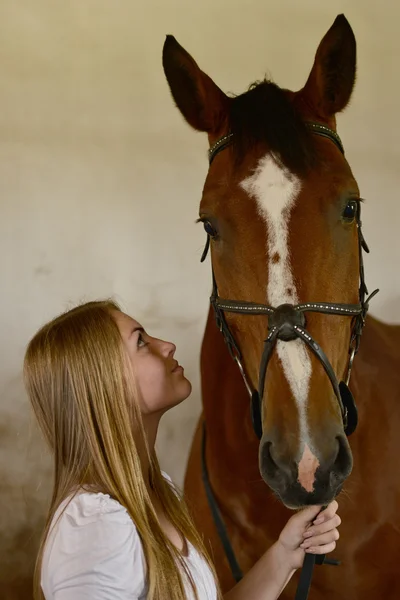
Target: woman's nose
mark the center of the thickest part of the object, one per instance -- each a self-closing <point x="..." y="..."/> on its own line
<point x="168" y="348"/>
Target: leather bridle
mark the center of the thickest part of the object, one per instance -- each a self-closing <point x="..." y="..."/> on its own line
<point x="287" y="322"/>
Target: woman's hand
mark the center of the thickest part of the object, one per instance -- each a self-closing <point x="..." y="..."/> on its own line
<point x="306" y="531"/>
<point x="310" y="531"/>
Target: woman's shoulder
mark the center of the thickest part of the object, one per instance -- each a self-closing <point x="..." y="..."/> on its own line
<point x="91" y="521"/>
<point x="86" y="507"/>
<point x="93" y="545"/>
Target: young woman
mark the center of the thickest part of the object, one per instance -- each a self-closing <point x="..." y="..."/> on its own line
<point x="117" y="528"/>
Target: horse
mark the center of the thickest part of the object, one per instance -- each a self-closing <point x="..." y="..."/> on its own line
<point x="281" y="211"/>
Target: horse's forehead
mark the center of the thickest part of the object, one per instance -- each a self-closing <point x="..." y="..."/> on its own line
<point x="272" y="186"/>
<point x="267" y="179"/>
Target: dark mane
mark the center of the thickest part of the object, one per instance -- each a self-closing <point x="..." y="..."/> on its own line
<point x="264" y="115"/>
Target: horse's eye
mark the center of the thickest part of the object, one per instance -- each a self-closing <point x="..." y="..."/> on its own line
<point x="209" y="229"/>
<point x="350" y="211"/>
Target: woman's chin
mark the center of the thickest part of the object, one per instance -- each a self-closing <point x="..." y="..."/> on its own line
<point x="186" y="389"/>
<point x="183" y="391"/>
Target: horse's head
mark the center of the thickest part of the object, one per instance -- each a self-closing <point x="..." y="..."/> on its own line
<point x="280" y="206"/>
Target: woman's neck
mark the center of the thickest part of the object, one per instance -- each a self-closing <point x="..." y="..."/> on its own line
<point x="150" y="423"/>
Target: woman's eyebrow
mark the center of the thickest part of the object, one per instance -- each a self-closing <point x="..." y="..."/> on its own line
<point x="136" y="329"/>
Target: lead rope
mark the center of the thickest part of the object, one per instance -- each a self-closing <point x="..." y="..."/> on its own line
<point x="218" y="520"/>
<point x="306" y="573"/>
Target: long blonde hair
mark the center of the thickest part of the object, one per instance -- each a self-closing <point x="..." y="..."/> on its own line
<point x="85" y="400"/>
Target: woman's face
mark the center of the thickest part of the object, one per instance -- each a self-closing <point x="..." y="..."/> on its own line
<point x="160" y="379"/>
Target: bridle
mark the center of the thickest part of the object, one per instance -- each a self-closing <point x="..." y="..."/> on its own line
<point x="287" y="322"/>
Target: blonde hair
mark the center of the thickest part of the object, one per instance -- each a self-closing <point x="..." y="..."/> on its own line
<point x="81" y="389"/>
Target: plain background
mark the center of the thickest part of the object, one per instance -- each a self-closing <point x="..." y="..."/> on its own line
<point x="100" y="181"/>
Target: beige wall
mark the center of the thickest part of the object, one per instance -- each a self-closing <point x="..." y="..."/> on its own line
<point x="100" y="181"/>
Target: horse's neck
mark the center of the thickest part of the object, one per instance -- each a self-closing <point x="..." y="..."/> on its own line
<point x="375" y="379"/>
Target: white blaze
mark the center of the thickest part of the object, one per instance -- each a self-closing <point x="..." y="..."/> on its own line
<point x="275" y="191"/>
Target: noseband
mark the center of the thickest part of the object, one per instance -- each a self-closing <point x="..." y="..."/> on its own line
<point x="288" y="322"/>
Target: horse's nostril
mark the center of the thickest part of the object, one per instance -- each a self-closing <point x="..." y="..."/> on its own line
<point x="268" y="465"/>
<point x="342" y="464"/>
<point x="344" y="461"/>
<point x="272" y="466"/>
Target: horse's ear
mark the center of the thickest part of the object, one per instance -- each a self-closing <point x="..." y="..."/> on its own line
<point x="333" y="75"/>
<point x="200" y="101"/>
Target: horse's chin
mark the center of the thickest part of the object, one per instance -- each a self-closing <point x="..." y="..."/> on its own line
<point x="295" y="502"/>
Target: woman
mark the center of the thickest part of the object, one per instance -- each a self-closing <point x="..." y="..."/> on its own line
<point x="117" y="528"/>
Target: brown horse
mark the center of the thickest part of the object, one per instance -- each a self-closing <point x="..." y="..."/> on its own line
<point x="280" y="206"/>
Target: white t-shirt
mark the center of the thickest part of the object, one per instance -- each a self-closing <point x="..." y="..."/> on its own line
<point x="94" y="552"/>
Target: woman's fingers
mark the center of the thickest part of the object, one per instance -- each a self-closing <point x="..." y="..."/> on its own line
<point x="328" y="513"/>
<point x="326" y="549"/>
<point x="321" y="540"/>
<point x="334" y="522"/>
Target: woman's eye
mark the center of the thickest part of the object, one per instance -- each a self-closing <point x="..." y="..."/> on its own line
<point x="141" y="342"/>
<point x="350" y="211"/>
<point x="209" y="229"/>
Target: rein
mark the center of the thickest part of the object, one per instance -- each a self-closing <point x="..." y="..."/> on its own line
<point x="287" y="322"/>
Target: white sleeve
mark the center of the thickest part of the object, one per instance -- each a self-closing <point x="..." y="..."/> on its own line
<point x="94" y="553"/>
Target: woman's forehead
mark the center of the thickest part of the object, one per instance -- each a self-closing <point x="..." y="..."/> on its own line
<point x="126" y="322"/>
